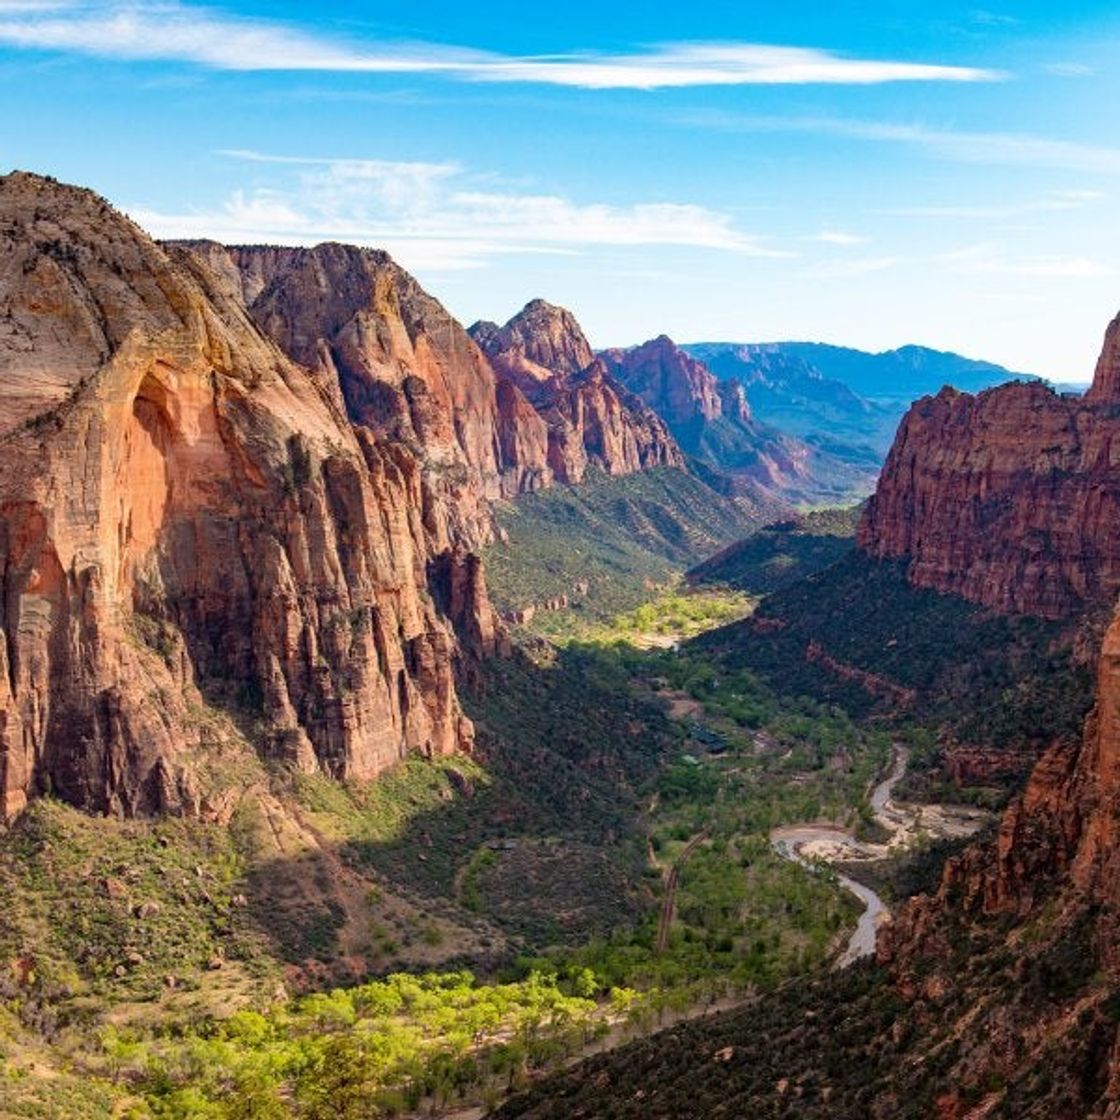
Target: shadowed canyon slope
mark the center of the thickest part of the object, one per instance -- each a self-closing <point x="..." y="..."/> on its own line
<point x="184" y="507"/>
<point x="1009" y="498"/>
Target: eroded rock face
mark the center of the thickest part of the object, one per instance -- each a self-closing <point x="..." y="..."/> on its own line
<point x="184" y="507"/>
<point x="590" y="417"/>
<point x="678" y="387"/>
<point x="402" y="366"/>
<point x="542" y="342"/>
<point x="1010" y="498"/>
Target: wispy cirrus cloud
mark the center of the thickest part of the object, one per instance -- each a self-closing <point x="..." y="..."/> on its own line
<point x="438" y="215"/>
<point x="987" y="258"/>
<point x="168" y="30"/>
<point x="1016" y="149"/>
<point x="1053" y="202"/>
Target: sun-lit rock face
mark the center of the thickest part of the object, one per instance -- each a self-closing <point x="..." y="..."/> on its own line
<point x="183" y="506"/>
<point x="541" y="343"/>
<point x="401" y="365"/>
<point x="1010" y="498"/>
<point x="591" y="418"/>
<point x="678" y="387"/>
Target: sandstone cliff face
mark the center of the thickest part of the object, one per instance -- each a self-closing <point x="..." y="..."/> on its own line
<point x="1010" y="498"/>
<point x="184" y="507"/>
<point x="404" y="367"/>
<point x="541" y="343"/>
<point x="678" y="387"/>
<point x="590" y="418"/>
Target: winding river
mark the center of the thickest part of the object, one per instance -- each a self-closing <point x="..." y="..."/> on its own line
<point x="835" y="843"/>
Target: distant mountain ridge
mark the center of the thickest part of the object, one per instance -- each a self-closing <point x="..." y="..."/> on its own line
<point x="713" y="421"/>
<point x="840" y="394"/>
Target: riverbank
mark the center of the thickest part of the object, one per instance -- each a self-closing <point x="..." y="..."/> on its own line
<point x="905" y="824"/>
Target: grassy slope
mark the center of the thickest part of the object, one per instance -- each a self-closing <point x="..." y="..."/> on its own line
<point x="1015" y="1028"/>
<point x="619" y="535"/>
<point x="781" y="554"/>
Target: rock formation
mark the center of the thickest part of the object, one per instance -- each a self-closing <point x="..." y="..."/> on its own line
<point x="539" y="344"/>
<point x="1106" y="378"/>
<point x="712" y="421"/>
<point x="1010" y="498"/>
<point x="188" y="512"/>
<point x="679" y="388"/>
<point x="590" y="418"/>
<point x="405" y="368"/>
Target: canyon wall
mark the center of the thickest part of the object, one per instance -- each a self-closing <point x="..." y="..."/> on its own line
<point x="591" y="419"/>
<point x="1010" y="498"/>
<point x="187" y="514"/>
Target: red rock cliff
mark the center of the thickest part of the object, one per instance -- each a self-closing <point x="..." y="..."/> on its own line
<point x="182" y="505"/>
<point x="404" y="366"/>
<point x="1010" y="498"/>
<point x="590" y="417"/>
<point x="675" y="385"/>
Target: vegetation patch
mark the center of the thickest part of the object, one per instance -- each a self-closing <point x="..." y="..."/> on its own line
<point x="984" y="679"/>
<point x="779" y="555"/>
<point x="607" y="543"/>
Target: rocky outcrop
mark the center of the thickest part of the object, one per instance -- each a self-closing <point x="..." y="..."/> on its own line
<point x="679" y="388"/>
<point x="1010" y="498"/>
<point x="541" y="343"/>
<point x="591" y="419"/>
<point x="186" y="512"/>
<point x="1106" y="378"/>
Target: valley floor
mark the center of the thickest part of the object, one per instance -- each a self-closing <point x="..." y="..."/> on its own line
<point x="612" y="860"/>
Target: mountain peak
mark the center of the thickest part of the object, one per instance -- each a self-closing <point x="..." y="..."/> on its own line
<point x="677" y="386"/>
<point x="542" y="341"/>
<point x="1106" y="379"/>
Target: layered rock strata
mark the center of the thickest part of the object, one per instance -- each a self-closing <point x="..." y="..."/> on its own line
<point x="1010" y="498"/>
<point x="186" y="511"/>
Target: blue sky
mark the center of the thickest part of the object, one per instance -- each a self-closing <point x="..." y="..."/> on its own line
<point x="868" y="174"/>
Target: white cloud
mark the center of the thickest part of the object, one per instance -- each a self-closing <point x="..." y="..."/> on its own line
<point x="986" y="258"/>
<point x="863" y="266"/>
<point x="170" y="31"/>
<point x="698" y="64"/>
<point x="434" y="215"/>
<point x="839" y="237"/>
